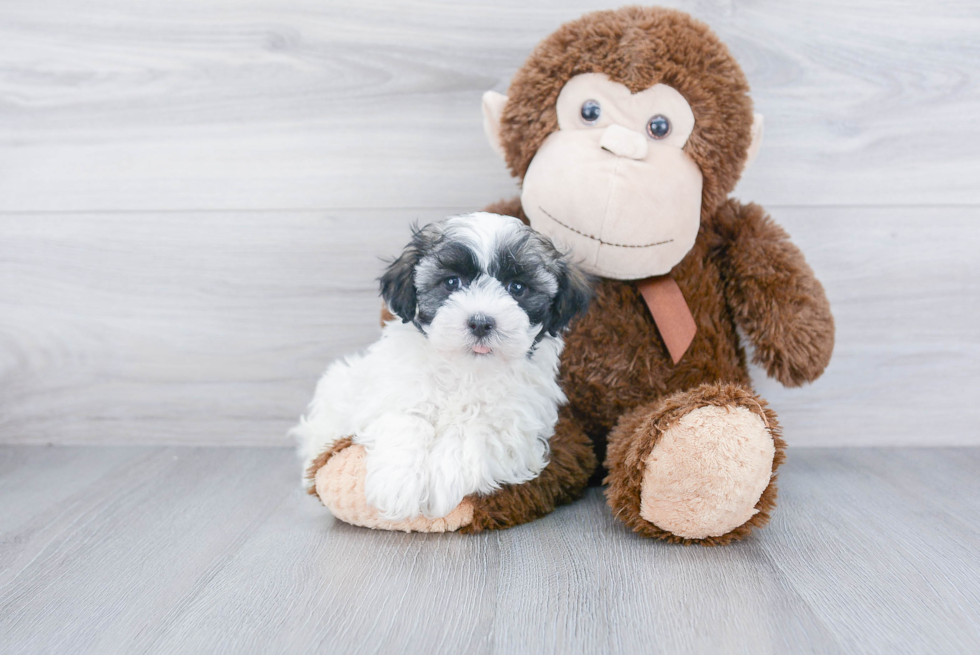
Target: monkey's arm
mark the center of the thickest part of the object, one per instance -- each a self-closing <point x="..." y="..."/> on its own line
<point x="563" y="480"/>
<point x="774" y="295"/>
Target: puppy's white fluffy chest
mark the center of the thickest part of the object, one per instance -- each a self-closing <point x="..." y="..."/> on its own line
<point x="436" y="425"/>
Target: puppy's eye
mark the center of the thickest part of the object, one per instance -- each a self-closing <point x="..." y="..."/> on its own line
<point x="516" y="289"/>
<point x="591" y="111"/>
<point x="452" y="283"/>
<point x="658" y="127"/>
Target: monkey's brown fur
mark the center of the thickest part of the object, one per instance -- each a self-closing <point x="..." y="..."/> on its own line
<point x="638" y="47"/>
<point x="562" y="481"/>
<point x="627" y="456"/>
<point x="743" y="272"/>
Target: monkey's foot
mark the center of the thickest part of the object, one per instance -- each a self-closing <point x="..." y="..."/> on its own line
<point x="340" y="485"/>
<point x="698" y="467"/>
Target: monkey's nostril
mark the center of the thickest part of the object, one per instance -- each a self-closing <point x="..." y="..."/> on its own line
<point x="481" y="325"/>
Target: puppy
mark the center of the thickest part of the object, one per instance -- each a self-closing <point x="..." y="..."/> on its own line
<point x="460" y="395"/>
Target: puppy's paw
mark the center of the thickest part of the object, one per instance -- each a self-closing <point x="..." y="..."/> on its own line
<point x="446" y="486"/>
<point x="396" y="447"/>
<point x="396" y="486"/>
<point x="340" y="486"/>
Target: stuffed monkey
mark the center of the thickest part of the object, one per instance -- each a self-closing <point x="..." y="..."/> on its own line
<point x="628" y="129"/>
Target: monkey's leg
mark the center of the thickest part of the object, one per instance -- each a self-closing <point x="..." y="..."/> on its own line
<point x="338" y="475"/>
<point x="696" y="467"/>
<point x="339" y="483"/>
<point x="571" y="463"/>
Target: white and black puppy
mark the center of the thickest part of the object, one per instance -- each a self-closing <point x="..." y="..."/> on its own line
<point x="459" y="396"/>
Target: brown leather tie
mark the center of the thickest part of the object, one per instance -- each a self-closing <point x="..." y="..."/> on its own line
<point x="670" y="312"/>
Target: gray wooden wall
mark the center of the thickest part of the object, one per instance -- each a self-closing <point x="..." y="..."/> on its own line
<point x="194" y="196"/>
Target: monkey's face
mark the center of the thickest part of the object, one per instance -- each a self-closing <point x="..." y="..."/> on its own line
<point x="614" y="184"/>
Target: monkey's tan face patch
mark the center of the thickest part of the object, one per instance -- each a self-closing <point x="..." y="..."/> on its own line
<point x="613" y="183"/>
<point x="617" y="106"/>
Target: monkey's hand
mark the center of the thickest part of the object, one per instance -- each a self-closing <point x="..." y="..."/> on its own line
<point x="774" y="295"/>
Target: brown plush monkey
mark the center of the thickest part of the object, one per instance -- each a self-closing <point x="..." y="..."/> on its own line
<point x="629" y="129"/>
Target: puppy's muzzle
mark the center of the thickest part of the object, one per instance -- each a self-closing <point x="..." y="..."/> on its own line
<point x="480" y="325"/>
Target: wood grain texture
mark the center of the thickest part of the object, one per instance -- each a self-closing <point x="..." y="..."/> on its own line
<point x="218" y="550"/>
<point x="270" y="104"/>
<point x="189" y="328"/>
<point x="154" y="290"/>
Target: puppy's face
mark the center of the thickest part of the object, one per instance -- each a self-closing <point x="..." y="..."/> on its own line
<point x="485" y="285"/>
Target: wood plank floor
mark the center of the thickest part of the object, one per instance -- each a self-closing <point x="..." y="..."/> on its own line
<point x="195" y="196"/>
<point x="150" y="549"/>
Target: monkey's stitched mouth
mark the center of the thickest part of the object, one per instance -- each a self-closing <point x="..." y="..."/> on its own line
<point x="594" y="238"/>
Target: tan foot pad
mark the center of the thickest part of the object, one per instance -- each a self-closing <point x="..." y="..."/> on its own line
<point x="707" y="472"/>
<point x="340" y="485"/>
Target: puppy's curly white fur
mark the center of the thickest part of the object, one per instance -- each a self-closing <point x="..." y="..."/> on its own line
<point x="460" y="395"/>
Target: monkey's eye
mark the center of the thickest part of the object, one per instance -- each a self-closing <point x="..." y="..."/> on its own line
<point x="516" y="289"/>
<point x="452" y="283"/>
<point x="591" y="111"/>
<point x="658" y="127"/>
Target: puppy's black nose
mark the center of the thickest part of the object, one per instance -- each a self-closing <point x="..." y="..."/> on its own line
<point x="481" y="325"/>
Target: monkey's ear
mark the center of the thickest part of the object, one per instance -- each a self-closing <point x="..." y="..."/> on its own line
<point x="493" y="109"/>
<point x="756" y="140"/>
<point x="398" y="284"/>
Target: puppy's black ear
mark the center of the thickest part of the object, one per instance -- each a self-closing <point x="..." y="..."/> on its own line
<point x="398" y="281"/>
<point x="572" y="299"/>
